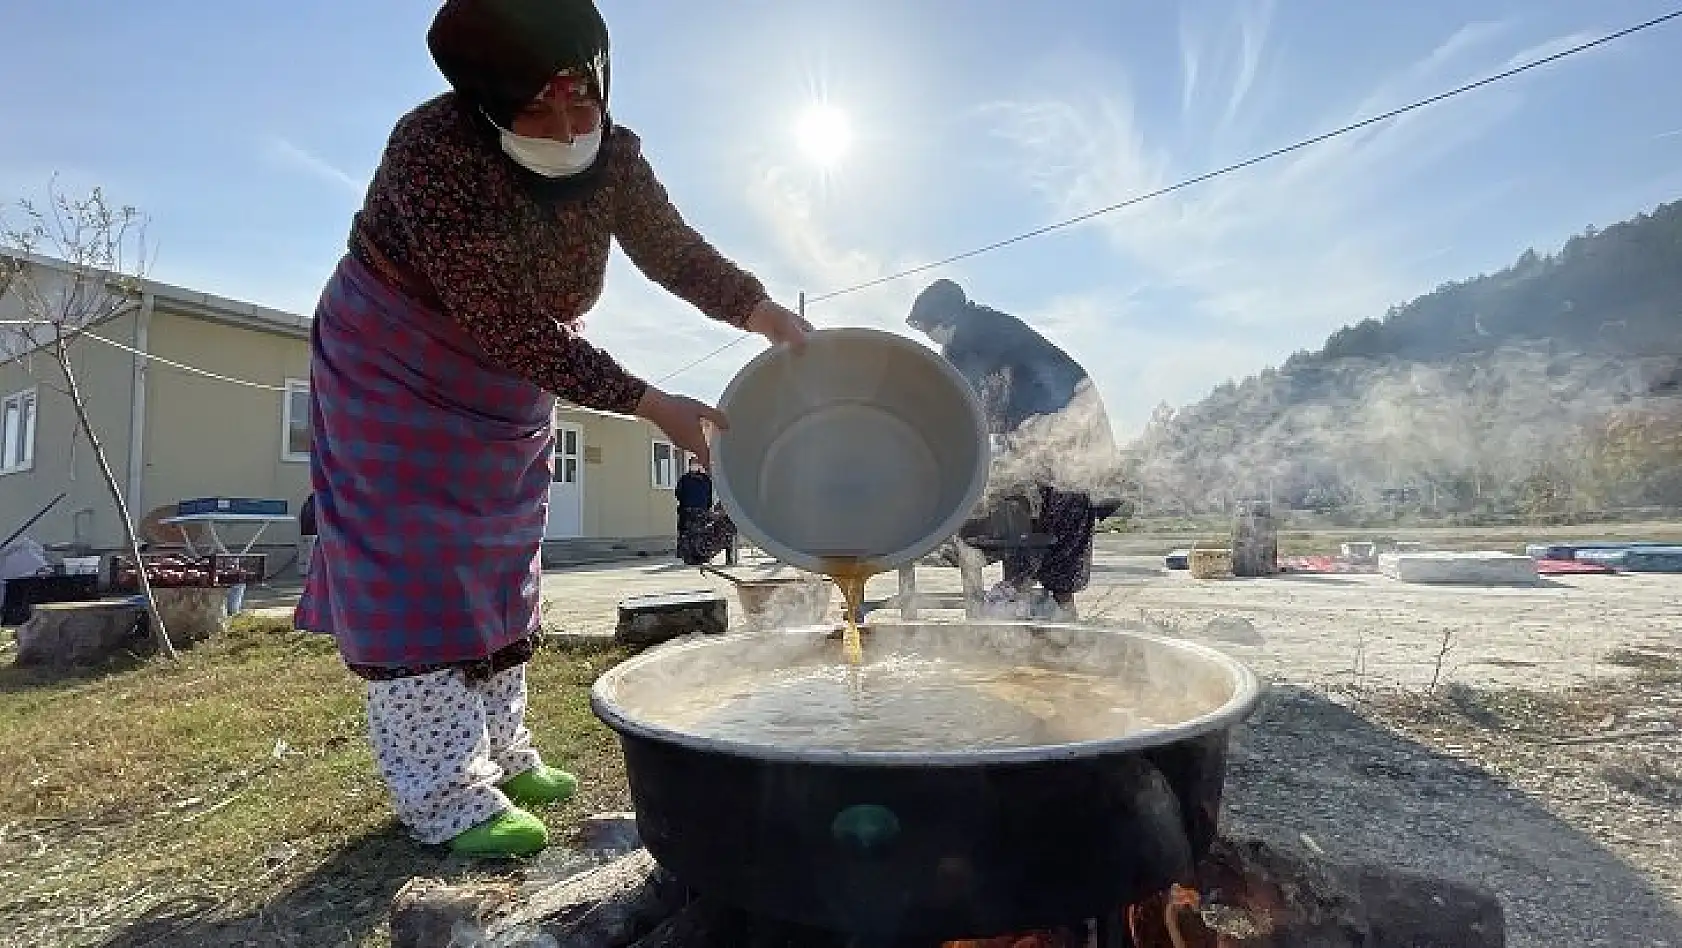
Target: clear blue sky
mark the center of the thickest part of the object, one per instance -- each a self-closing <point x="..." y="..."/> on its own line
<point x="247" y="132"/>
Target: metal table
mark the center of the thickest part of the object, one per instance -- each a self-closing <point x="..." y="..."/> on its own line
<point x="211" y="520"/>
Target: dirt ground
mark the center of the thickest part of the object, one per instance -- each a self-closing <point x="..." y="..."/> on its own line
<point x="1308" y="629"/>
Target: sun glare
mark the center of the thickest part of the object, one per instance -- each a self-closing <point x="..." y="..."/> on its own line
<point x="824" y="134"/>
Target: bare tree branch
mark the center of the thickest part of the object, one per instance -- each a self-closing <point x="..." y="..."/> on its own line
<point x="61" y="302"/>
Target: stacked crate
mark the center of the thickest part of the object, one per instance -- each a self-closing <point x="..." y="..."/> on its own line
<point x="180" y="570"/>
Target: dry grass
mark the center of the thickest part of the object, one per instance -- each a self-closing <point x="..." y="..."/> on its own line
<point x="1620" y="733"/>
<point x="230" y="797"/>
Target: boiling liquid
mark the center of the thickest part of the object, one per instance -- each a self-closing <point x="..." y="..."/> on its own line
<point x="851" y="573"/>
<point x="908" y="703"/>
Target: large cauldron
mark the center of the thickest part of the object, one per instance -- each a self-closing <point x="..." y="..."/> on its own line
<point x="939" y="845"/>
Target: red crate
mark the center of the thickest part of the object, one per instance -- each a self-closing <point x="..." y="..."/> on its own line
<point x="179" y="570"/>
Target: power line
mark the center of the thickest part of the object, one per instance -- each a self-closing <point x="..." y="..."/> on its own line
<point x="193" y="370"/>
<point x="181" y="366"/>
<point x="1218" y="172"/>
<point x="690" y="365"/>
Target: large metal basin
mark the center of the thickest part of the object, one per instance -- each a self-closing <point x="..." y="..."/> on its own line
<point x="936" y="844"/>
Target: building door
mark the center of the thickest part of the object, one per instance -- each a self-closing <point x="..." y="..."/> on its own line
<point x="566" y="490"/>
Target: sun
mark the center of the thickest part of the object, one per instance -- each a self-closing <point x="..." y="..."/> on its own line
<point x="824" y="134"/>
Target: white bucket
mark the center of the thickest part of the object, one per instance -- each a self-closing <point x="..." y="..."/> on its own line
<point x="866" y="445"/>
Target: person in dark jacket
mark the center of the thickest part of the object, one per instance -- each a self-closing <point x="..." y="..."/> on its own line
<point x="694" y="493"/>
<point x="703" y="529"/>
<point x="1058" y="451"/>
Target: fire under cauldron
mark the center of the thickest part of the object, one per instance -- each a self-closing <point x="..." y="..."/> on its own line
<point x="932" y="844"/>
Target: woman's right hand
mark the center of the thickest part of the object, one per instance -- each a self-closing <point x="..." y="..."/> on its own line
<point x="683" y="419"/>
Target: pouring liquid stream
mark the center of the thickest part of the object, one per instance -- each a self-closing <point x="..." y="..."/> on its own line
<point x="850" y="574"/>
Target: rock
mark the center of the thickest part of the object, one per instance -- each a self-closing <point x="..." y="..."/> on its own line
<point x="656" y="619"/>
<point x="1479" y="568"/>
<point x="610" y="831"/>
<point x="610" y="906"/>
<point x="82" y="634"/>
<point x="1257" y="895"/>
<point x="192" y="613"/>
<point x="1235" y="629"/>
<point x="1407" y="910"/>
<point x="427" y="912"/>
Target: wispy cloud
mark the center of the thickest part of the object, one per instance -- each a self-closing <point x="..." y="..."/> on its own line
<point x="1552" y="47"/>
<point x="1306" y="243"/>
<point x="288" y="153"/>
<point x="1253" y="22"/>
<point x="1191" y="64"/>
<point x="809" y="254"/>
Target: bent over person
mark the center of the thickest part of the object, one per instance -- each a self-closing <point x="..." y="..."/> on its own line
<point x="1059" y="449"/>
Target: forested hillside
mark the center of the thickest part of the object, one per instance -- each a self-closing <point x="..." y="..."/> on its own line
<point x="1553" y="385"/>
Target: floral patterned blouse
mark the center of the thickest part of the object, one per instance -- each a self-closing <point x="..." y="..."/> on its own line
<point x="446" y="221"/>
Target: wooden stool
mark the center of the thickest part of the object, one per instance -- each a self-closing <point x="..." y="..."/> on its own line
<point x="908" y="601"/>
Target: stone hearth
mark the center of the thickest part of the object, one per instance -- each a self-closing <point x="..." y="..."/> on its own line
<point x="610" y="893"/>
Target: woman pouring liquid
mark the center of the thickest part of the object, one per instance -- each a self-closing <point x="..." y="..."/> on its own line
<point x="438" y="350"/>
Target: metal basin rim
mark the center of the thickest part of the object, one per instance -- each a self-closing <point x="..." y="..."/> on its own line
<point x="1247" y="691"/>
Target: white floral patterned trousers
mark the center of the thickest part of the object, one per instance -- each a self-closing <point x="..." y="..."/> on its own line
<point x="443" y="745"/>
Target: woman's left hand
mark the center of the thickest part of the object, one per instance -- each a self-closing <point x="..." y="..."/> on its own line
<point x="779" y="325"/>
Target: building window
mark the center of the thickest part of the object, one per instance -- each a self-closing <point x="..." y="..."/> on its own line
<point x="665" y="465"/>
<point x="295" y="421"/>
<point x="17" y="432"/>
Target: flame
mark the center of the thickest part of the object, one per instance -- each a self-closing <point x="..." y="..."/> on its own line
<point x="1175" y="924"/>
<point x="1031" y="940"/>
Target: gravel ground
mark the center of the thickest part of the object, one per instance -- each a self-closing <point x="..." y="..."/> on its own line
<point x="1580" y="841"/>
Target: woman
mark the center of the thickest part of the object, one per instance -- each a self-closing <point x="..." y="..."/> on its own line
<point x="703" y="528"/>
<point x="438" y="350"/>
<point x="1059" y="452"/>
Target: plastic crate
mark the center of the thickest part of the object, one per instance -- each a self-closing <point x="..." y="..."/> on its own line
<point x="25" y="593"/>
<point x="176" y="570"/>
<point x="231" y="505"/>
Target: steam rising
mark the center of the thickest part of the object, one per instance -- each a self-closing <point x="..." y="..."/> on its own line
<point x="1347" y="430"/>
<point x="1072" y="450"/>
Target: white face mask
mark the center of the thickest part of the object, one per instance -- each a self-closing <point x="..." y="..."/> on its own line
<point x="551" y="158"/>
<point x="942" y="335"/>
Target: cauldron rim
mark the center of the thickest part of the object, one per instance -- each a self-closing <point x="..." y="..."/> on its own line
<point x="1246" y="694"/>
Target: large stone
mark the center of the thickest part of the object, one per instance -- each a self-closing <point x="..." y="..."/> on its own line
<point x="656" y="619"/>
<point x="192" y="613"/>
<point x="82" y="634"/>
<point x="1482" y="568"/>
<point x="430" y="912"/>
<point x="1257" y="895"/>
<point x="609" y="906"/>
